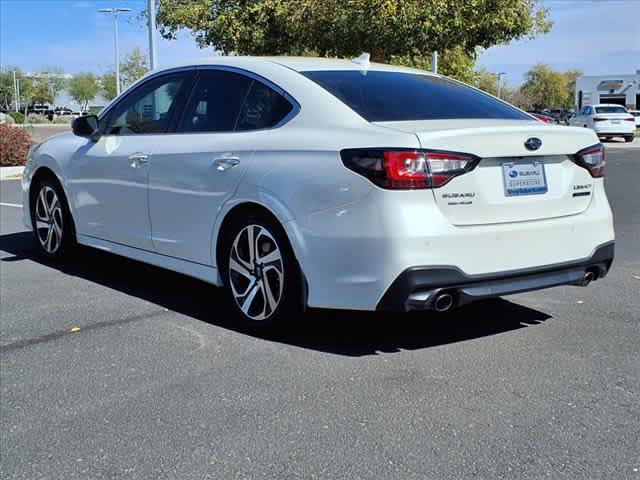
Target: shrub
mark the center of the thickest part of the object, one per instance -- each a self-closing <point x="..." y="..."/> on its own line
<point x="36" y="118"/>
<point x="63" y="119"/>
<point x="14" y="145"/>
<point x="17" y="116"/>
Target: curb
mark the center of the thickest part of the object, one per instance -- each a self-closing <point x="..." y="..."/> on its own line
<point x="10" y="173"/>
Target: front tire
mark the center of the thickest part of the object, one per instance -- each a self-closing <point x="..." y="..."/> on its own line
<point x="261" y="275"/>
<point x="51" y="220"/>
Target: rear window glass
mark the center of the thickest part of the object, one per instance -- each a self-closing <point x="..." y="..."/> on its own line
<point x="611" y="110"/>
<point x="397" y="96"/>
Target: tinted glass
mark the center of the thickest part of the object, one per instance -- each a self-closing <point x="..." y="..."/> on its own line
<point x="611" y="110"/>
<point x="263" y="108"/>
<point x="147" y="109"/>
<point x="215" y="102"/>
<point x="395" y="96"/>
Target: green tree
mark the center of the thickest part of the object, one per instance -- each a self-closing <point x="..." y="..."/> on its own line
<point x="570" y="80"/>
<point x="133" y="67"/>
<point x="487" y="81"/>
<point x="108" y="84"/>
<point x="39" y="91"/>
<point x="7" y="91"/>
<point x="454" y="62"/>
<point x="83" y="88"/>
<point x="54" y="79"/>
<point x="548" y="88"/>
<point x="387" y="29"/>
<point x="6" y="88"/>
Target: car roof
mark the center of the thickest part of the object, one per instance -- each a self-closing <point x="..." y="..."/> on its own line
<point x="608" y="105"/>
<point x="299" y="64"/>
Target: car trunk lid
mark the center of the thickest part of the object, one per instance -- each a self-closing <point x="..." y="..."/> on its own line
<point x="511" y="183"/>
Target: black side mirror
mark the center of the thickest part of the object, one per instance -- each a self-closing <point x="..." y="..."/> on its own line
<point x="86" y="126"/>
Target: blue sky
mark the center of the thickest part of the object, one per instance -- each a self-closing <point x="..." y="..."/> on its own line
<point x="595" y="36"/>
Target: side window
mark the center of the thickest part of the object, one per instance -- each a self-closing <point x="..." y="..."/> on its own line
<point x="589" y="111"/>
<point x="148" y="108"/>
<point x="215" y="102"/>
<point x="263" y="108"/>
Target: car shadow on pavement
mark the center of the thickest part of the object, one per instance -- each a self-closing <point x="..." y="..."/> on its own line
<point x="340" y="332"/>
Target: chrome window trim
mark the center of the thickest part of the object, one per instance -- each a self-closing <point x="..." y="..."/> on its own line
<point x="296" y="108"/>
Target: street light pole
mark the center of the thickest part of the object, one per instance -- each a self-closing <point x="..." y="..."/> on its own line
<point x="115" y="12"/>
<point x="500" y="74"/>
<point x="151" y="11"/>
<point x="15" y="92"/>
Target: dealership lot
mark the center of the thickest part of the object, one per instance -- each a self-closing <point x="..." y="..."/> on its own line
<point x="157" y="384"/>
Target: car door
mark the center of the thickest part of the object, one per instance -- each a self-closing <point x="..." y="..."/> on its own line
<point x="588" y="117"/>
<point x="204" y="161"/>
<point x="108" y="178"/>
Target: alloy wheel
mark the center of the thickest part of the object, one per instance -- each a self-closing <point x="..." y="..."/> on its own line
<point x="48" y="219"/>
<point x="256" y="272"/>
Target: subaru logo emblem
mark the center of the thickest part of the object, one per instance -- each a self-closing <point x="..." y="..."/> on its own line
<point x="533" y="143"/>
<point x="513" y="174"/>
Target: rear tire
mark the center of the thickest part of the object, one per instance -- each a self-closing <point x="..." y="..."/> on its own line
<point x="261" y="275"/>
<point x="51" y="219"/>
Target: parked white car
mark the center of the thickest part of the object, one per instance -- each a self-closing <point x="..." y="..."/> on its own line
<point x="636" y="115"/>
<point x="296" y="182"/>
<point x="607" y="120"/>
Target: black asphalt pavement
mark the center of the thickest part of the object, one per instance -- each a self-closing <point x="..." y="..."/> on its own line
<point x="156" y="384"/>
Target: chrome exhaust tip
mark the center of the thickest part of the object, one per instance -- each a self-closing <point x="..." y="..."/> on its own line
<point x="443" y="302"/>
<point x="589" y="276"/>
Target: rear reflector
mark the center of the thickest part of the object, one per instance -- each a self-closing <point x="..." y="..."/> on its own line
<point x="399" y="169"/>
<point x="593" y="159"/>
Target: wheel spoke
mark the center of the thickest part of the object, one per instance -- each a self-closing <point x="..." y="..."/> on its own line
<point x="41" y="206"/>
<point x="252" y="245"/>
<point x="57" y="228"/>
<point x="53" y="205"/>
<point x="238" y="268"/>
<point x="248" y="301"/>
<point x="41" y="224"/>
<point x="241" y="260"/>
<point x="271" y="257"/>
<point x="47" y="244"/>
<point x="266" y="286"/>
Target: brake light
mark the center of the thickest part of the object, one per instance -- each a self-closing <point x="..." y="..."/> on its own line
<point x="630" y="119"/>
<point x="600" y="119"/>
<point x="398" y="169"/>
<point x="593" y="159"/>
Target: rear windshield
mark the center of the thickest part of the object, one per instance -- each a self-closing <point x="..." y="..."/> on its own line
<point x="397" y="96"/>
<point x="611" y="110"/>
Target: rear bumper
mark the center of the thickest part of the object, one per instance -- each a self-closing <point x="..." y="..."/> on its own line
<point x="417" y="288"/>
<point x="628" y="129"/>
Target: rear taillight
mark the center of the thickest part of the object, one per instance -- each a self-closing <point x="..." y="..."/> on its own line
<point x="630" y="119"/>
<point x="600" y="119"/>
<point x="398" y="169"/>
<point x="592" y="158"/>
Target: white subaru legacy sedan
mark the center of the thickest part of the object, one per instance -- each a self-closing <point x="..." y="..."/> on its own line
<point x="303" y="182"/>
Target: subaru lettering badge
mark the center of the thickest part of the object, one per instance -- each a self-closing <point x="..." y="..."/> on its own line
<point x="533" y="143"/>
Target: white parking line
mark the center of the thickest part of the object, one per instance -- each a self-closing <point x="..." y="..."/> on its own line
<point x="10" y="205"/>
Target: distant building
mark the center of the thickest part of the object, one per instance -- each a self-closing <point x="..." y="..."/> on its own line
<point x="618" y="89"/>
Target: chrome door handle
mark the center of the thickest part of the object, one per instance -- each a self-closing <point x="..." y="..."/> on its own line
<point x="225" y="163"/>
<point x="138" y="159"/>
